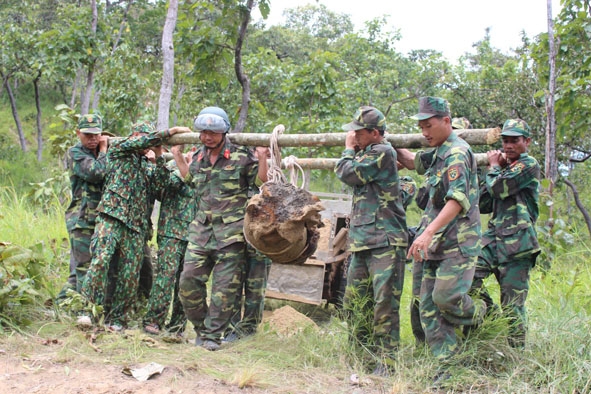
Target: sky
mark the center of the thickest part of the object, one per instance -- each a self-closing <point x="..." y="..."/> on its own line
<point x="448" y="26"/>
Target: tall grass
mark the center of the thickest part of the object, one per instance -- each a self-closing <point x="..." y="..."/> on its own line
<point x="557" y="358"/>
<point x="41" y="227"/>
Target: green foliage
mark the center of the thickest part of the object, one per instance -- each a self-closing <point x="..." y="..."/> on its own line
<point x="20" y="281"/>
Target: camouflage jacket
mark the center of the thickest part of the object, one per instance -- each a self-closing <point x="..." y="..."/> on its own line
<point x="130" y="179"/>
<point x="377" y="217"/>
<point x="513" y="193"/>
<point x="451" y="173"/>
<point x="87" y="174"/>
<point x="221" y="192"/>
<point x="177" y="205"/>
<point x="408" y="189"/>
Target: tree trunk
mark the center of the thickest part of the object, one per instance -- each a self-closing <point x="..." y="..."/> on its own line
<point x="75" y="88"/>
<point x="87" y="92"/>
<point x="167" y="66"/>
<point x="409" y="141"/>
<point x="39" y="130"/>
<point x="240" y="74"/>
<point x="17" y="120"/>
<point x="579" y="204"/>
<point x="550" y="166"/>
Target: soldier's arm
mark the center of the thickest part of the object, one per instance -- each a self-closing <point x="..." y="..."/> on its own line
<point x="353" y="172"/>
<point x="502" y="183"/>
<point x="90" y="169"/>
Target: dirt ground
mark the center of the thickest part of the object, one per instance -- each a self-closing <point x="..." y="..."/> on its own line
<point x="39" y="365"/>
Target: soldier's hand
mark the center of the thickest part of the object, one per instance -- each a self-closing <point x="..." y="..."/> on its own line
<point x="151" y="155"/>
<point x="103" y="143"/>
<point x="496" y="158"/>
<point x="350" y="140"/>
<point x="419" y="248"/>
<point x="262" y="152"/>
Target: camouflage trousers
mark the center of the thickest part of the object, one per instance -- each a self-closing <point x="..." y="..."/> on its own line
<point x="415" y="315"/>
<point x="225" y="267"/>
<point x="79" y="260"/>
<point x="254" y="283"/>
<point x="513" y="279"/>
<point x="445" y="302"/>
<point x="169" y="264"/>
<point x="112" y="239"/>
<point x="375" y="279"/>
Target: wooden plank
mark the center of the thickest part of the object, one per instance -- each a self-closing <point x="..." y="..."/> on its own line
<point x="297" y="282"/>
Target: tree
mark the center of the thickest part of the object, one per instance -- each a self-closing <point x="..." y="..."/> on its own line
<point x="167" y="66"/>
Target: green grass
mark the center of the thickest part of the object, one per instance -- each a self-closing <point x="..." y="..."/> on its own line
<point x="321" y="360"/>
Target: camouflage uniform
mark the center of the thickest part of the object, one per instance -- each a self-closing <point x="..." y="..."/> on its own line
<point x="510" y="245"/>
<point x="216" y="241"/>
<point x="378" y="240"/>
<point x="122" y="224"/>
<point x="177" y="210"/>
<point x="87" y="172"/>
<point x="417" y="266"/>
<point x="451" y="173"/>
<point x="254" y="278"/>
<point x="448" y="273"/>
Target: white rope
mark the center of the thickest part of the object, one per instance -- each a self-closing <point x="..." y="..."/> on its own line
<point x="274" y="174"/>
<point x="291" y="163"/>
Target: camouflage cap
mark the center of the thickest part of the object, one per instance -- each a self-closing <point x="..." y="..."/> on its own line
<point x="367" y="117"/>
<point x="432" y="106"/>
<point x="143" y="127"/>
<point x="460" y="123"/>
<point x="515" y="128"/>
<point x="90" y="124"/>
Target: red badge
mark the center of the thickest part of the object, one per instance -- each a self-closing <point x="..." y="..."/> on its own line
<point x="200" y="156"/>
<point x="227" y="154"/>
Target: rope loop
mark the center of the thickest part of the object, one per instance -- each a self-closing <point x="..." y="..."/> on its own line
<point x="274" y="174"/>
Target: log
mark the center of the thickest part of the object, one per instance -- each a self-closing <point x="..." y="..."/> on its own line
<point x="329" y="164"/>
<point x="409" y="141"/>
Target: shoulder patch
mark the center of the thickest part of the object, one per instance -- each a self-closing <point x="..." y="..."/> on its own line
<point x="408" y="187"/>
<point x="517" y="167"/>
<point x="453" y="174"/>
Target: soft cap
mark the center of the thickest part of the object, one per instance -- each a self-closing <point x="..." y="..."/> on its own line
<point x="90" y="124"/>
<point x="515" y="128"/>
<point x="432" y="106"/>
<point x="367" y="117"/>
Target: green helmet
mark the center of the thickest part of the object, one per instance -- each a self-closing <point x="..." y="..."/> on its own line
<point x="213" y="119"/>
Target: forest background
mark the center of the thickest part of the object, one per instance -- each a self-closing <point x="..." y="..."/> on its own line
<point x="62" y="58"/>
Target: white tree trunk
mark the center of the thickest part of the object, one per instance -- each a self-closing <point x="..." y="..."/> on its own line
<point x="167" y="66"/>
<point x="87" y="91"/>
<point x="550" y="150"/>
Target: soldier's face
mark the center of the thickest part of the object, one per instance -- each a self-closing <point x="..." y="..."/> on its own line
<point x="436" y="129"/>
<point x="210" y="139"/>
<point x="365" y="137"/>
<point x="515" y="146"/>
<point x="89" y="141"/>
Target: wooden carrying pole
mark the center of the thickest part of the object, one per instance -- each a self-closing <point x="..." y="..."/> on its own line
<point x="408" y="141"/>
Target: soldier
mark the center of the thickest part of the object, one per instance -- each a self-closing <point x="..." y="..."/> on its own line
<point x="123" y="220"/>
<point x="87" y="163"/>
<point x="254" y="282"/>
<point x="177" y="210"/>
<point x="510" y="245"/>
<point x="417" y="267"/>
<point x="222" y="174"/>
<point x="377" y="233"/>
<point x="448" y="238"/>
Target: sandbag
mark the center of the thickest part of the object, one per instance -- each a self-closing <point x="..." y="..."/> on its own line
<point x="282" y="222"/>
